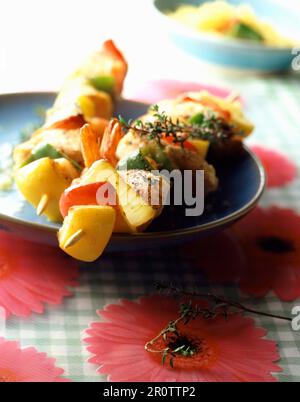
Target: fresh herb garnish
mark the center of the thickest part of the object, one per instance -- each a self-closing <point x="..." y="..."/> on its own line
<point x="196" y="304"/>
<point x="207" y="127"/>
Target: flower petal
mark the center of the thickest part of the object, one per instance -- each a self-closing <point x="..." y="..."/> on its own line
<point x="27" y="365"/>
<point x="241" y="352"/>
<point x="279" y="168"/>
<point x="32" y="275"/>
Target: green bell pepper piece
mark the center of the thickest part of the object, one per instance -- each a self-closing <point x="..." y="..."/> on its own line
<point x="105" y="83"/>
<point x="48" y="151"/>
<point x="135" y="160"/>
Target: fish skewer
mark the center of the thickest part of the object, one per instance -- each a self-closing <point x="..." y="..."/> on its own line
<point x="87" y="96"/>
<point x="69" y="166"/>
<point x="126" y="161"/>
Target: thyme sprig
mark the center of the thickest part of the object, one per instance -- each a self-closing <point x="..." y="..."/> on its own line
<point x="179" y="292"/>
<point x="207" y="127"/>
<point x="189" y="311"/>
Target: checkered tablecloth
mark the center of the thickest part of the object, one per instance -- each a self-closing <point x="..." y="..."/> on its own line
<point x="274" y="105"/>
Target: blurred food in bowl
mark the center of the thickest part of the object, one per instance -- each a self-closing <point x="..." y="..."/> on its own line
<point x="261" y="37"/>
<point x="232" y="21"/>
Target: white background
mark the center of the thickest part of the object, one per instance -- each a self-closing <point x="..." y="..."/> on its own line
<point x="41" y="41"/>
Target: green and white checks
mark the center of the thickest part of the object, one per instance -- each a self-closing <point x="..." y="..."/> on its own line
<point x="274" y="105"/>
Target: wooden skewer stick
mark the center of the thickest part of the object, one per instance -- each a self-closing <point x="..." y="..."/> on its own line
<point x="233" y="96"/>
<point x="74" y="238"/>
<point x="42" y="204"/>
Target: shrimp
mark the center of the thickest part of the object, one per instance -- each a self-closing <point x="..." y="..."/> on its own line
<point x="99" y="125"/>
<point x="110" y="141"/>
<point x="89" y="145"/>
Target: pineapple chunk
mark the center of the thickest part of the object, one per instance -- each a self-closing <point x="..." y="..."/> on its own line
<point x="201" y="146"/>
<point x="137" y="212"/>
<point x="78" y="96"/>
<point x="103" y="171"/>
<point x="92" y="226"/>
<point x="96" y="104"/>
<point x="45" y="178"/>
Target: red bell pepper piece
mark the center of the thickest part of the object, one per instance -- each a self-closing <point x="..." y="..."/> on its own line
<point x="87" y="194"/>
<point x="186" y="144"/>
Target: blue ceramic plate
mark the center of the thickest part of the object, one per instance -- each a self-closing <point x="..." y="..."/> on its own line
<point x="240" y="188"/>
<point x="236" y="53"/>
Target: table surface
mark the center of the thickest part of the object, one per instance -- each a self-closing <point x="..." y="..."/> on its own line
<point x="273" y="104"/>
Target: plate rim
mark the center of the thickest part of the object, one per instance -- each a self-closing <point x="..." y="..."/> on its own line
<point x="231" y="218"/>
